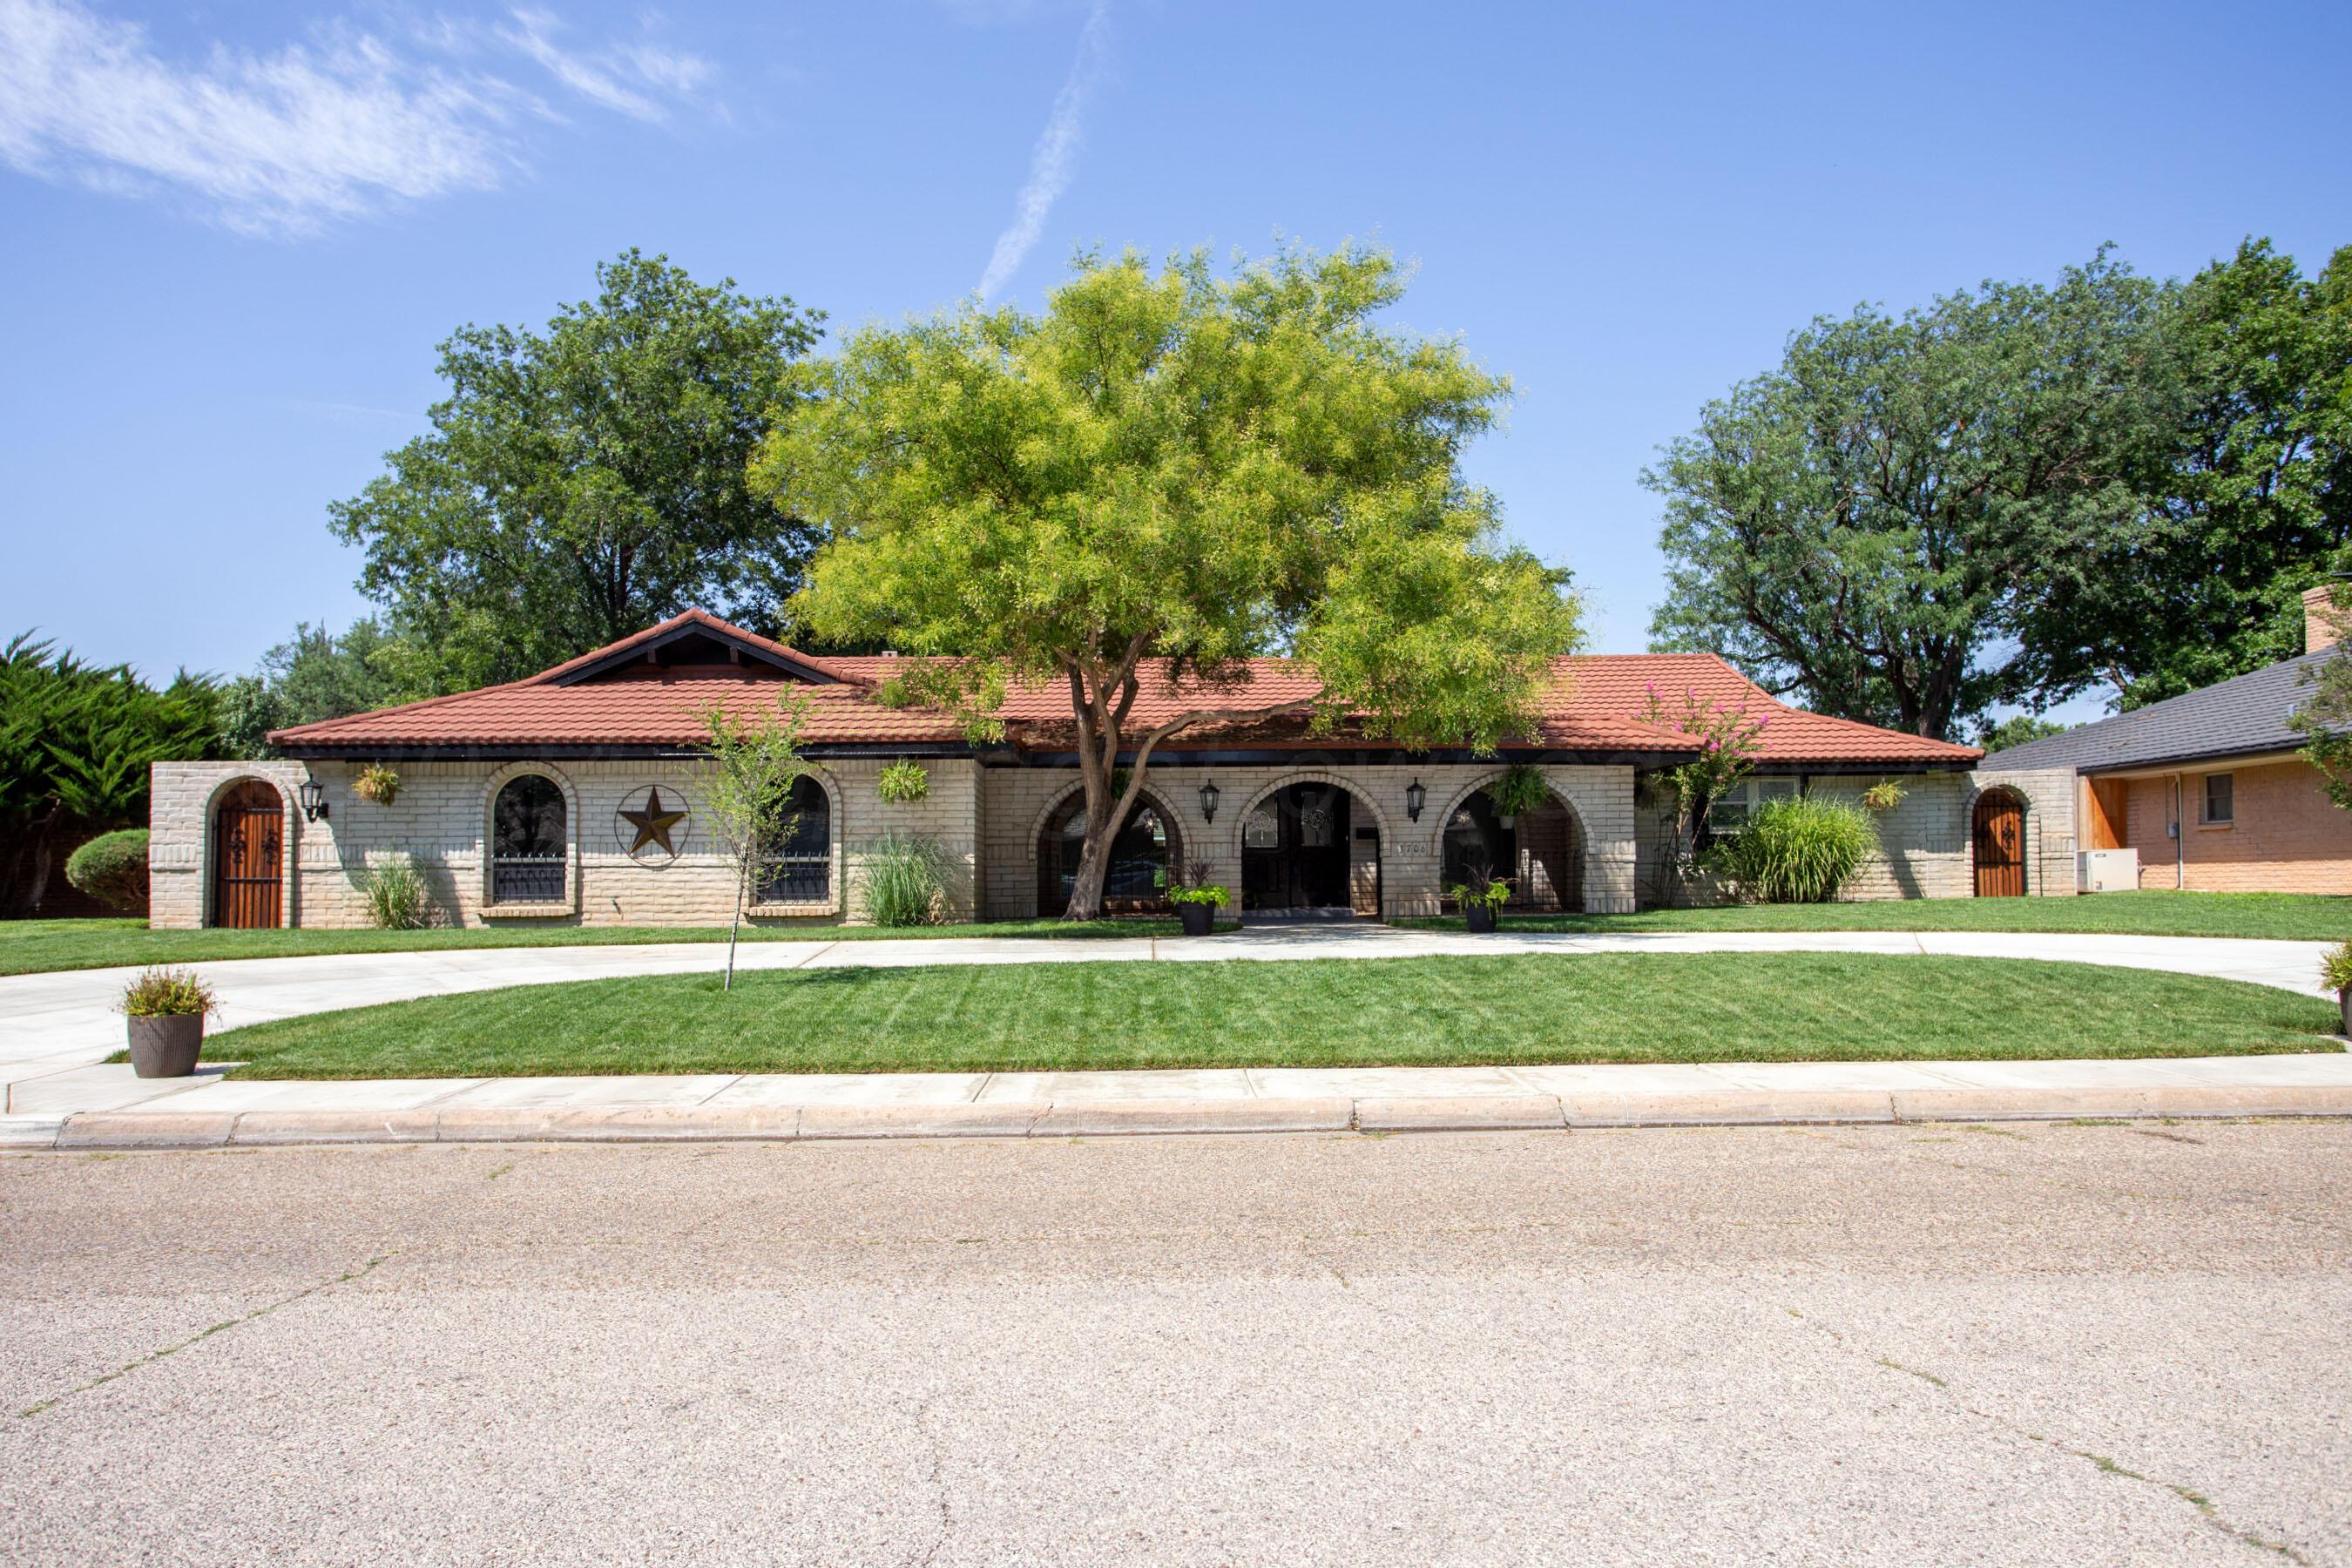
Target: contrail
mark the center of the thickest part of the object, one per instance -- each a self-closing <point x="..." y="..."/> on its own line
<point x="1057" y="150"/>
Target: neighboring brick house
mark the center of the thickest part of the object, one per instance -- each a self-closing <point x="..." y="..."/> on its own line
<point x="538" y="800"/>
<point x="2209" y="788"/>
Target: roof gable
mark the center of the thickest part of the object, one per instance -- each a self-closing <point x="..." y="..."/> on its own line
<point x="2244" y="715"/>
<point x="695" y="640"/>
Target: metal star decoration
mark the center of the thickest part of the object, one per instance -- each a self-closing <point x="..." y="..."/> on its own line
<point x="653" y="823"/>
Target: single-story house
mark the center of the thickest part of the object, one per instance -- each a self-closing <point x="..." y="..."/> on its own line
<point x="2207" y="790"/>
<point x="573" y="797"/>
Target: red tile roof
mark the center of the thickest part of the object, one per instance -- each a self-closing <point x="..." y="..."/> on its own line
<point x="1596" y="705"/>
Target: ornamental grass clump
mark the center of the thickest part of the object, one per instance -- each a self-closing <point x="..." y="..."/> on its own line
<point x="904" y="877"/>
<point x="113" y="869"/>
<point x="161" y="993"/>
<point x="395" y="895"/>
<point x="1797" y="851"/>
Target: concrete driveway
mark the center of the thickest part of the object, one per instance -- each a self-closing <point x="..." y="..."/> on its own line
<point x="49" y="1022"/>
<point x="2067" y="1345"/>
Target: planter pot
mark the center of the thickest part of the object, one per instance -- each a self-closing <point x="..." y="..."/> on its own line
<point x="1509" y="821"/>
<point x="1479" y="917"/>
<point x="2344" y="1007"/>
<point x="1199" y="918"/>
<point x="166" y="1046"/>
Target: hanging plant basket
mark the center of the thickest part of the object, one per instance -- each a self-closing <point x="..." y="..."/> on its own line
<point x="1884" y="795"/>
<point x="903" y="783"/>
<point x="377" y="784"/>
<point x="1520" y="790"/>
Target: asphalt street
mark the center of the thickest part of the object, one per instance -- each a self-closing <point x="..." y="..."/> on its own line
<point x="2065" y="1344"/>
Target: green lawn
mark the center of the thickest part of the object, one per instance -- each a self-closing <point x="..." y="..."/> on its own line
<point x="1317" y="1012"/>
<point x="28" y="947"/>
<point x="2315" y="916"/>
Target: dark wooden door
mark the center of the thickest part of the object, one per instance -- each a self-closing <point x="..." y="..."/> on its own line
<point x="248" y="858"/>
<point x="2000" y="847"/>
<point x="1295" y="851"/>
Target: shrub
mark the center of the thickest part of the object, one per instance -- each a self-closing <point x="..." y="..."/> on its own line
<point x="168" y="994"/>
<point x="378" y="784"/>
<point x="395" y="895"/>
<point x="1520" y="790"/>
<point x="2336" y="968"/>
<point x="113" y="869"/>
<point x="905" y="876"/>
<point x="1798" y="850"/>
<point x="903" y="783"/>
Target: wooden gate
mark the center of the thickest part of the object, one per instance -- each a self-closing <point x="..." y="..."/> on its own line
<point x="248" y="856"/>
<point x="2001" y="847"/>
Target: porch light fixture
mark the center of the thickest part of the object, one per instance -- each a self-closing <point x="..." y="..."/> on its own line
<point x="314" y="799"/>
<point x="1208" y="802"/>
<point x="1415" y="797"/>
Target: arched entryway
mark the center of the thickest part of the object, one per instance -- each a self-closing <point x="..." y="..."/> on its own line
<point x="1998" y="843"/>
<point x="1308" y="850"/>
<point x="1540" y="852"/>
<point x="1146" y="855"/>
<point x="248" y="846"/>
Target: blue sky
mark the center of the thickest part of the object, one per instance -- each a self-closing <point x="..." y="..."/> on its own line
<point x="236" y="232"/>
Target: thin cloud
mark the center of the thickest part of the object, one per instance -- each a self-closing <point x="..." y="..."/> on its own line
<point x="605" y="78"/>
<point x="340" y="126"/>
<point x="1056" y="157"/>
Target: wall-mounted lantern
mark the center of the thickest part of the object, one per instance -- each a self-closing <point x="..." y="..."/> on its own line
<point x="1208" y="802"/>
<point x="314" y="799"/>
<point x="1415" y="797"/>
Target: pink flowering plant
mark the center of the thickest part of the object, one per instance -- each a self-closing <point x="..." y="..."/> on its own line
<point x="1728" y="739"/>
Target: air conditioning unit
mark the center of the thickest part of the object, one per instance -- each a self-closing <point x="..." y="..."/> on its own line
<point x="2106" y="871"/>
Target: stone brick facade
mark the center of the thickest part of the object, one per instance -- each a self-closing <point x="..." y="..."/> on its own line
<point x="1925" y="843"/>
<point x="988" y="821"/>
<point x="440" y="819"/>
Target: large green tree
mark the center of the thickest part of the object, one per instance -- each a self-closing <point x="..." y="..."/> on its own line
<point x="76" y="745"/>
<point x="1173" y="463"/>
<point x="1858" y="527"/>
<point x="313" y="675"/>
<point x="582" y="482"/>
<point x="2244" y="496"/>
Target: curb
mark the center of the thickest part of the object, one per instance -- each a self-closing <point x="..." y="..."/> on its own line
<point x="708" y="1123"/>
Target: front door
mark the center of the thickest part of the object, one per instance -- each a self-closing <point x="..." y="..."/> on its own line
<point x="248" y="856"/>
<point x="1295" y="851"/>
<point x="2000" y="846"/>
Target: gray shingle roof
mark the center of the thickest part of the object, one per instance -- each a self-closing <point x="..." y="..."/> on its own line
<point x="2247" y="714"/>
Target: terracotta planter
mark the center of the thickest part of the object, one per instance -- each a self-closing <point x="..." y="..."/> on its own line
<point x="165" y="1046"/>
<point x="1199" y="918"/>
<point x="1478" y="917"/>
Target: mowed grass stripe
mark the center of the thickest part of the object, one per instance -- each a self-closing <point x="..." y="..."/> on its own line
<point x="1298" y="1013"/>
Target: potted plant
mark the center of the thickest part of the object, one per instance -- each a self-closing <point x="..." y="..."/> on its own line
<point x="1481" y="898"/>
<point x="903" y="783"/>
<point x="2336" y="974"/>
<point x="1521" y="789"/>
<point x="1884" y="795"/>
<point x="165" y="1010"/>
<point x="1197" y="899"/>
<point x="377" y="784"/>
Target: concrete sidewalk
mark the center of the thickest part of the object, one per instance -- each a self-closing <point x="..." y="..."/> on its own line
<point x="105" y="1106"/>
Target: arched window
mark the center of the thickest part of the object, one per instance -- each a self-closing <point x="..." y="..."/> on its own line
<point x="1477" y="841"/>
<point x="1142" y="854"/>
<point x="798" y="867"/>
<point x="527" y="845"/>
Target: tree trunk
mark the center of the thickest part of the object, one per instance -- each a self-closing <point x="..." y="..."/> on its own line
<point x="735" y="921"/>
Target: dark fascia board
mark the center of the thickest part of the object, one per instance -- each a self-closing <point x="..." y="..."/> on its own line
<point x="2172" y="760"/>
<point x="636" y="652"/>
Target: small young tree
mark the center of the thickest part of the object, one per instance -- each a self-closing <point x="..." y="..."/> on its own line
<point x="1728" y="739"/>
<point x="1173" y="465"/>
<point x="755" y="764"/>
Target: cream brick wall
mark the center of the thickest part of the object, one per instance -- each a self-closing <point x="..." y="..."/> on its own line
<point x="1925" y="843"/>
<point x="1017" y="803"/>
<point x="2287" y="836"/>
<point x="440" y="819"/>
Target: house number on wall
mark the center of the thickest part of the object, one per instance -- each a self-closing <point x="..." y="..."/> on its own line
<point x="652" y="827"/>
